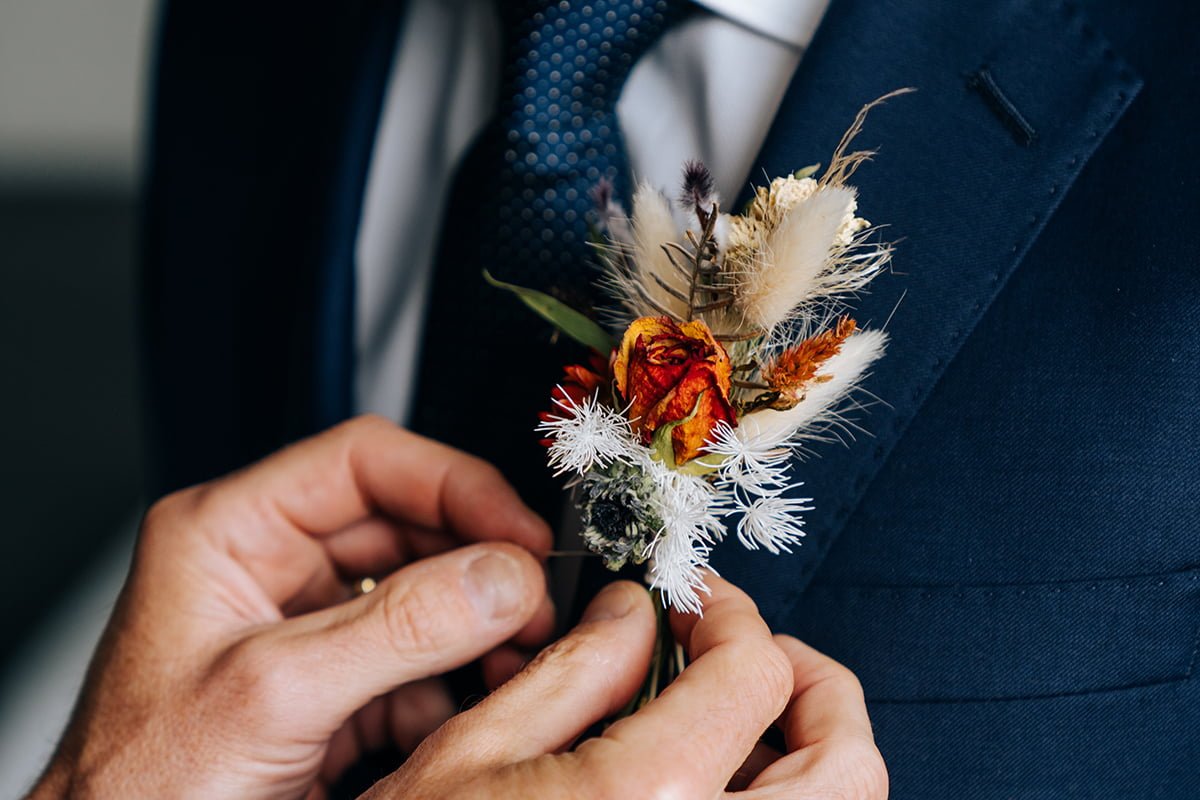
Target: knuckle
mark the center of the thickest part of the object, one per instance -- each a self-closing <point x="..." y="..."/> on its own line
<point x="769" y="667"/>
<point x="412" y="619"/>
<point x="865" y="768"/>
<point x="564" y="650"/>
<point x="566" y="657"/>
<point x="167" y="509"/>
<point x="848" y="682"/>
<point x="605" y="767"/>
<point x="166" y="515"/>
<point x="253" y="676"/>
<point x="488" y="472"/>
<point x="365" y="423"/>
<point x="778" y="670"/>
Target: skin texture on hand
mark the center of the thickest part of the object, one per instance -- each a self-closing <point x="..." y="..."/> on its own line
<point x="698" y="739"/>
<point x="237" y="665"/>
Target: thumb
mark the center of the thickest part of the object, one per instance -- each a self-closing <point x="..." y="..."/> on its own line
<point x="428" y="618"/>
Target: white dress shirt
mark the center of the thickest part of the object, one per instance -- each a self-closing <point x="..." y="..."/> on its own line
<point x="708" y="89"/>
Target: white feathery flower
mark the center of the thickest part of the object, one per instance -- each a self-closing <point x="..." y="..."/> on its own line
<point x="688" y="502"/>
<point x="690" y="509"/>
<point x="772" y="521"/>
<point x="588" y="434"/>
<point x="751" y="461"/>
<point x="677" y="566"/>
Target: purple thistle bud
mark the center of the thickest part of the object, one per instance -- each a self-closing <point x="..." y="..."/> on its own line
<point x="697" y="191"/>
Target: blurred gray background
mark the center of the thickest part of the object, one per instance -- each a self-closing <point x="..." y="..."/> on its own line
<point x="72" y="82"/>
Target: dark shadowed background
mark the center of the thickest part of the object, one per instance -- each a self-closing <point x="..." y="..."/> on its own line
<point x="71" y="88"/>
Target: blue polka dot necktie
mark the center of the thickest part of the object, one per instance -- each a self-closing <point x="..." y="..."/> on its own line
<point x="520" y="208"/>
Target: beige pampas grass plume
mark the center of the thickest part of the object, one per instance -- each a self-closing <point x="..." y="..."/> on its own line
<point x="659" y="280"/>
<point x="793" y="264"/>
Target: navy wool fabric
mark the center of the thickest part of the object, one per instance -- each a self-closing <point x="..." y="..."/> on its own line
<point x="1010" y="560"/>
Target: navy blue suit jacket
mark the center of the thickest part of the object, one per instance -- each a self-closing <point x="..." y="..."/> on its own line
<point x="1010" y="561"/>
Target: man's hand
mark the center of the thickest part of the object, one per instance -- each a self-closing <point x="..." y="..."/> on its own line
<point x="237" y="665"/>
<point x="698" y="739"/>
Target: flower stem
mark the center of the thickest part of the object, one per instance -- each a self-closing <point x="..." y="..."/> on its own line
<point x="666" y="662"/>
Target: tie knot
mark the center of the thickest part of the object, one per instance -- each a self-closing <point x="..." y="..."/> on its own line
<point x="589" y="45"/>
<point x="566" y="64"/>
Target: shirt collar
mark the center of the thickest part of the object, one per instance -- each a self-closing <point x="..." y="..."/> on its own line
<point x="792" y="22"/>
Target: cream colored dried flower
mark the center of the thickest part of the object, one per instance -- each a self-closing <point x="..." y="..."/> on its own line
<point x="786" y="193"/>
<point x="746" y="236"/>
<point x="851" y="226"/>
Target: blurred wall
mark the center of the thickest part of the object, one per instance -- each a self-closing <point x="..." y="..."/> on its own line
<point x="72" y="77"/>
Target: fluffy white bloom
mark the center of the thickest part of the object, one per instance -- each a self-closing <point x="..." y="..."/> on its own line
<point x="751" y="461"/>
<point x="772" y="521"/>
<point x="587" y="435"/>
<point x="687" y="502"/>
<point x="690" y="509"/>
<point x="677" y="566"/>
<point x="754" y="479"/>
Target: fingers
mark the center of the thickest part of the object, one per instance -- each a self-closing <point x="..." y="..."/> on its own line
<point x="761" y="757"/>
<point x="500" y="665"/>
<point x="831" y="748"/>
<point x="539" y="628"/>
<point x="827" y="700"/>
<point x="402" y="718"/>
<point x="426" y="619"/>
<point x="507" y="660"/>
<point x="697" y="733"/>
<point x="589" y="674"/>
<point x="325" y="483"/>
<point x="331" y="485"/>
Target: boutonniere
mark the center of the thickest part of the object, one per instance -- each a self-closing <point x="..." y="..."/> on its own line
<point x="735" y="352"/>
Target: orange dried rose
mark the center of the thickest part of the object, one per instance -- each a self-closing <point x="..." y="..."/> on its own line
<point x="579" y="383"/>
<point x="665" y="371"/>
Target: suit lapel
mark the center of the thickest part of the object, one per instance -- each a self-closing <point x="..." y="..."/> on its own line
<point x="1013" y="98"/>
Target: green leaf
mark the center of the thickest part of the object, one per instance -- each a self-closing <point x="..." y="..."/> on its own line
<point x="703" y="465"/>
<point x="571" y="322"/>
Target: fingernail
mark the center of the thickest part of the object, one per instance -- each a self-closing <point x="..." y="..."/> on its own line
<point x="612" y="603"/>
<point x="493" y="582"/>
